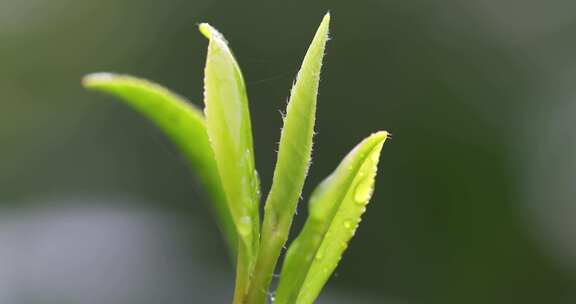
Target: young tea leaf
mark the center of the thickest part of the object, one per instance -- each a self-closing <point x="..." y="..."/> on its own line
<point x="230" y="133"/>
<point x="292" y="165"/>
<point x="335" y="209"/>
<point x="341" y="230"/>
<point x="181" y="121"/>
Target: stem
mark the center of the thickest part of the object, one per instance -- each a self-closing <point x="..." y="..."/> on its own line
<point x="241" y="280"/>
<point x="270" y="248"/>
<point x="244" y="266"/>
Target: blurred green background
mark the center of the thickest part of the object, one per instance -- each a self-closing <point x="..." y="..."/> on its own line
<point x="474" y="201"/>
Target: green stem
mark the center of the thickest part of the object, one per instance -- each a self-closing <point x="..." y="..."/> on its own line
<point x="243" y="266"/>
<point x="271" y="247"/>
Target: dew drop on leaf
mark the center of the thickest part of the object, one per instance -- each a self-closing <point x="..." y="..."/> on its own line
<point x="375" y="157"/>
<point x="347" y="224"/>
<point x="245" y="225"/>
<point x="363" y="191"/>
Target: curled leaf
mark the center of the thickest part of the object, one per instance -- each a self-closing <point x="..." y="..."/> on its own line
<point x="181" y="121"/>
<point x="335" y="209"/>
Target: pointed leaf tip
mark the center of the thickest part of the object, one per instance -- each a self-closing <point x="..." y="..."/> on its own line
<point x="94" y="79"/>
<point x="380" y="135"/>
<point x="205" y="29"/>
<point x="326" y="17"/>
<point x="210" y="32"/>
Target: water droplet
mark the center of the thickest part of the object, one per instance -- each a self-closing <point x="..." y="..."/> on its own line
<point x="255" y="185"/>
<point x="272" y="297"/>
<point x="375" y="157"/>
<point x="354" y="230"/>
<point x="363" y="191"/>
<point x="318" y="256"/>
<point x="245" y="225"/>
<point x="347" y="224"/>
<point x="245" y="220"/>
<point x="344" y="245"/>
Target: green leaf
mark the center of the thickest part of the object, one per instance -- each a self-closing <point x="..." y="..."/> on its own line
<point x="182" y="122"/>
<point x="292" y="165"/>
<point x="230" y="133"/>
<point x="334" y="213"/>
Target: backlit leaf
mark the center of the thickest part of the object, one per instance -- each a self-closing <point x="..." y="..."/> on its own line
<point x="292" y="165"/>
<point x="230" y="133"/>
<point x="334" y="212"/>
<point x="181" y="121"/>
